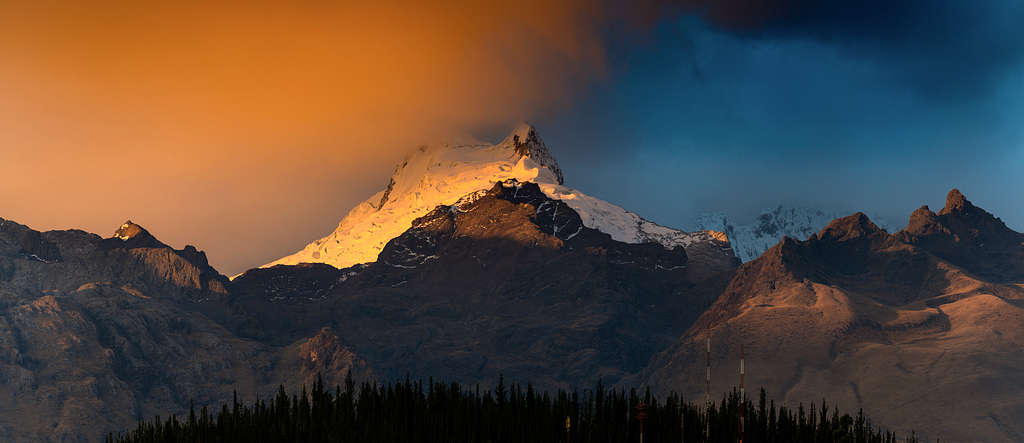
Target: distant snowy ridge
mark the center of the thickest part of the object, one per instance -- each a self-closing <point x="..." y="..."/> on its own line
<point x="441" y="175"/>
<point x="622" y="225"/>
<point x="749" y="241"/>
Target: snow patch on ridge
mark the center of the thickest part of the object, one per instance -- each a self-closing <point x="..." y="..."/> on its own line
<point x="622" y="225"/>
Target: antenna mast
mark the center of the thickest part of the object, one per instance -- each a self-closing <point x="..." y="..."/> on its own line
<point x="743" y="395"/>
<point x="707" y="390"/>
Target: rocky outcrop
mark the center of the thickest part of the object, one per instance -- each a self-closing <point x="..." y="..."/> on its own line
<point x="969" y="237"/>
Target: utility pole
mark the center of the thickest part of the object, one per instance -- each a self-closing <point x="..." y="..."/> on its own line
<point x="567" y="425"/>
<point x="707" y="391"/>
<point x="682" y="421"/>
<point x="743" y="396"/>
<point x="641" y="414"/>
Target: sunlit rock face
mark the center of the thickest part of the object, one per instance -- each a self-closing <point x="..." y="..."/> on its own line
<point x="898" y="324"/>
<point x="969" y="237"/>
<point x="441" y="175"/>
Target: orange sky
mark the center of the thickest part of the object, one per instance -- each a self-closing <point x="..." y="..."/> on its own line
<point x="249" y="129"/>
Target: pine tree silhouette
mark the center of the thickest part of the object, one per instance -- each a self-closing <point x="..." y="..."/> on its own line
<point x="408" y="411"/>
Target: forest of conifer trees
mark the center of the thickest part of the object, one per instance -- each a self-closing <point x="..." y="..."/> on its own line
<point x="433" y="411"/>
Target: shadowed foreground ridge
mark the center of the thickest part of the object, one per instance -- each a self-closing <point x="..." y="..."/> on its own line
<point x="436" y="411"/>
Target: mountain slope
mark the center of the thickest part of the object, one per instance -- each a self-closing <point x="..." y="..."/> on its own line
<point x="442" y="175"/>
<point x="509" y="282"/>
<point x="899" y="324"/>
<point x="97" y="333"/>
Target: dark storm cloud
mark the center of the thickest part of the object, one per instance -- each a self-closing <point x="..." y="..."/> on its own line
<point x="735" y="107"/>
<point x="944" y="49"/>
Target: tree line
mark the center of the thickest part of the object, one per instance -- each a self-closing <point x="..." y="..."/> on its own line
<point x="434" y="411"/>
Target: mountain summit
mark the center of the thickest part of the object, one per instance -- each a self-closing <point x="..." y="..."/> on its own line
<point x="130" y="235"/>
<point x="955" y="202"/>
<point x="445" y="174"/>
<point x="969" y="237"/>
<point x="528" y="144"/>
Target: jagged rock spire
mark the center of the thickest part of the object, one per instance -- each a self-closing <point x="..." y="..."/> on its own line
<point x="955" y="202"/>
<point x="527" y="143"/>
<point x="129" y="230"/>
<point x="130" y="235"/>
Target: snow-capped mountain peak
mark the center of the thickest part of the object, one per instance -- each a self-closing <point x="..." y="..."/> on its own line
<point x="442" y="175"/>
<point x="429" y="176"/>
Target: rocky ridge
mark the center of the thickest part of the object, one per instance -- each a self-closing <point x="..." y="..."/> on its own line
<point x="898" y="324"/>
<point x="97" y="333"/>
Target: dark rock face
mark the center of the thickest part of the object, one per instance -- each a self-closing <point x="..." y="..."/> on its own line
<point x="897" y="324"/>
<point x="29" y="243"/>
<point x="387" y="192"/>
<point x="511" y="283"/>
<point x="530" y="145"/>
<point x="33" y="245"/>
